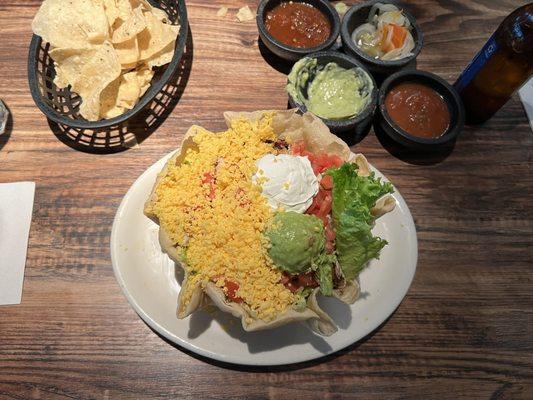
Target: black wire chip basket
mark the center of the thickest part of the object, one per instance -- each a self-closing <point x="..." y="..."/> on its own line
<point x="62" y="105"/>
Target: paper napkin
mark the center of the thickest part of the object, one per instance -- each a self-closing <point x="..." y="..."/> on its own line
<point x="16" y="206"/>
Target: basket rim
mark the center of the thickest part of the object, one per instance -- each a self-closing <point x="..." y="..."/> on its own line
<point x="150" y="94"/>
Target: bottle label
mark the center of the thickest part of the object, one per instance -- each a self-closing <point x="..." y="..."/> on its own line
<point x="476" y="64"/>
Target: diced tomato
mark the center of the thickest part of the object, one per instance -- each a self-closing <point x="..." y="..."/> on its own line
<point x="292" y="287"/>
<point x="325" y="206"/>
<point x="297" y="148"/>
<point x="289" y="282"/>
<point x="326" y="182"/>
<point x="240" y="195"/>
<point x="322" y="159"/>
<point x="295" y="282"/>
<point x="330" y="234"/>
<point x="335" y="160"/>
<point x="319" y="162"/>
<point x="322" y="162"/>
<point x="321" y="208"/>
<point x="323" y="201"/>
<point x="307" y="280"/>
<point x="312" y="208"/>
<point x="231" y="289"/>
<point x="285" y="279"/>
<point x="208" y="178"/>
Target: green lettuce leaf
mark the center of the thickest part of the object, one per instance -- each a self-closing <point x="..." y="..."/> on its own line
<point x="353" y="198"/>
<point x="324" y="265"/>
<point x="301" y="298"/>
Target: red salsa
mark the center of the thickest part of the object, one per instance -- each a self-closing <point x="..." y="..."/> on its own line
<point x="418" y="110"/>
<point x="298" y="25"/>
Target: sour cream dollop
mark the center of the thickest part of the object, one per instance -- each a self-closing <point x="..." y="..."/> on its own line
<point x="288" y="182"/>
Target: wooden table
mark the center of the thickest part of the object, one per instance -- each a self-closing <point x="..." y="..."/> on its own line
<point x="463" y="331"/>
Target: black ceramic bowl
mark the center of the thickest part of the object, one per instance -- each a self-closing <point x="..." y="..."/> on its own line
<point x="293" y="53"/>
<point x="457" y="113"/>
<point x="356" y="16"/>
<point x="357" y="124"/>
<point x="62" y="105"/>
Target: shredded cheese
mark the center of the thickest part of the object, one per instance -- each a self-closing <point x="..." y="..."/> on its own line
<point x="211" y="208"/>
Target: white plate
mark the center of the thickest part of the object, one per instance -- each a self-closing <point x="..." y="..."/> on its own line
<point x="150" y="282"/>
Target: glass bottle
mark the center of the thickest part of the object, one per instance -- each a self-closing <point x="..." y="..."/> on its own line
<point x="503" y="65"/>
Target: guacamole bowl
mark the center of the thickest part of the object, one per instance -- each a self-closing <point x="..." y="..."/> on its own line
<point x="336" y="88"/>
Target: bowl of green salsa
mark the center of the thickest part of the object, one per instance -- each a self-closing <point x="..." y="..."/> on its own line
<point x="336" y="88"/>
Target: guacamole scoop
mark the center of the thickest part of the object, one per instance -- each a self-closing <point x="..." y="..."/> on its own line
<point x="296" y="240"/>
<point x="330" y="91"/>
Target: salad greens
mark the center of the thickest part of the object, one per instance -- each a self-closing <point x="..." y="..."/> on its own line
<point x="353" y="198"/>
<point x="302" y="295"/>
<point x="323" y="264"/>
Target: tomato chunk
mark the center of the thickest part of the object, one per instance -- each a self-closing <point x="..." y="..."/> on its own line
<point x="210" y="179"/>
<point x="295" y="282"/>
<point x="231" y="289"/>
<point x="319" y="162"/>
<point x="307" y="280"/>
<point x="327" y="182"/>
<point x="298" y="148"/>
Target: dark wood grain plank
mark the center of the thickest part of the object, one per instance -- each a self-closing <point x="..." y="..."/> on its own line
<point x="463" y="331"/>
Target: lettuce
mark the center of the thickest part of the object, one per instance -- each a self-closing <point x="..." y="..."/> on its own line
<point x="324" y="265"/>
<point x="301" y="298"/>
<point x="353" y="198"/>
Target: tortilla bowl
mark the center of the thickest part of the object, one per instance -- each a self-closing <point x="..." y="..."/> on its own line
<point x="292" y="127"/>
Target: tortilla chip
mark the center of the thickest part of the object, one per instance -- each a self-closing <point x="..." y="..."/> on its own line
<point x="161" y="15"/>
<point x="144" y="77"/>
<point x="128" y="52"/>
<point x="155" y="37"/>
<point x="163" y="57"/>
<point x="125" y="9"/>
<point x="89" y="71"/>
<point x="70" y="24"/>
<point x="69" y="63"/>
<point x="120" y="95"/>
<point x="124" y="92"/>
<point x="245" y="14"/>
<point x="111" y="11"/>
<point x="222" y="12"/>
<point x="341" y="8"/>
<point x="130" y="28"/>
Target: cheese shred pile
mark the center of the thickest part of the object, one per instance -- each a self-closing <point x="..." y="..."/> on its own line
<point x="217" y="217"/>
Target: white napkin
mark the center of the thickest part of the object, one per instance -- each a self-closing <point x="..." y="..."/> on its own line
<point x="16" y="205"/>
<point x="526" y="95"/>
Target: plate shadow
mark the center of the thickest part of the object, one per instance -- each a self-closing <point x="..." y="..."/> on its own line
<point x="262" y="341"/>
<point x="278" y="368"/>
